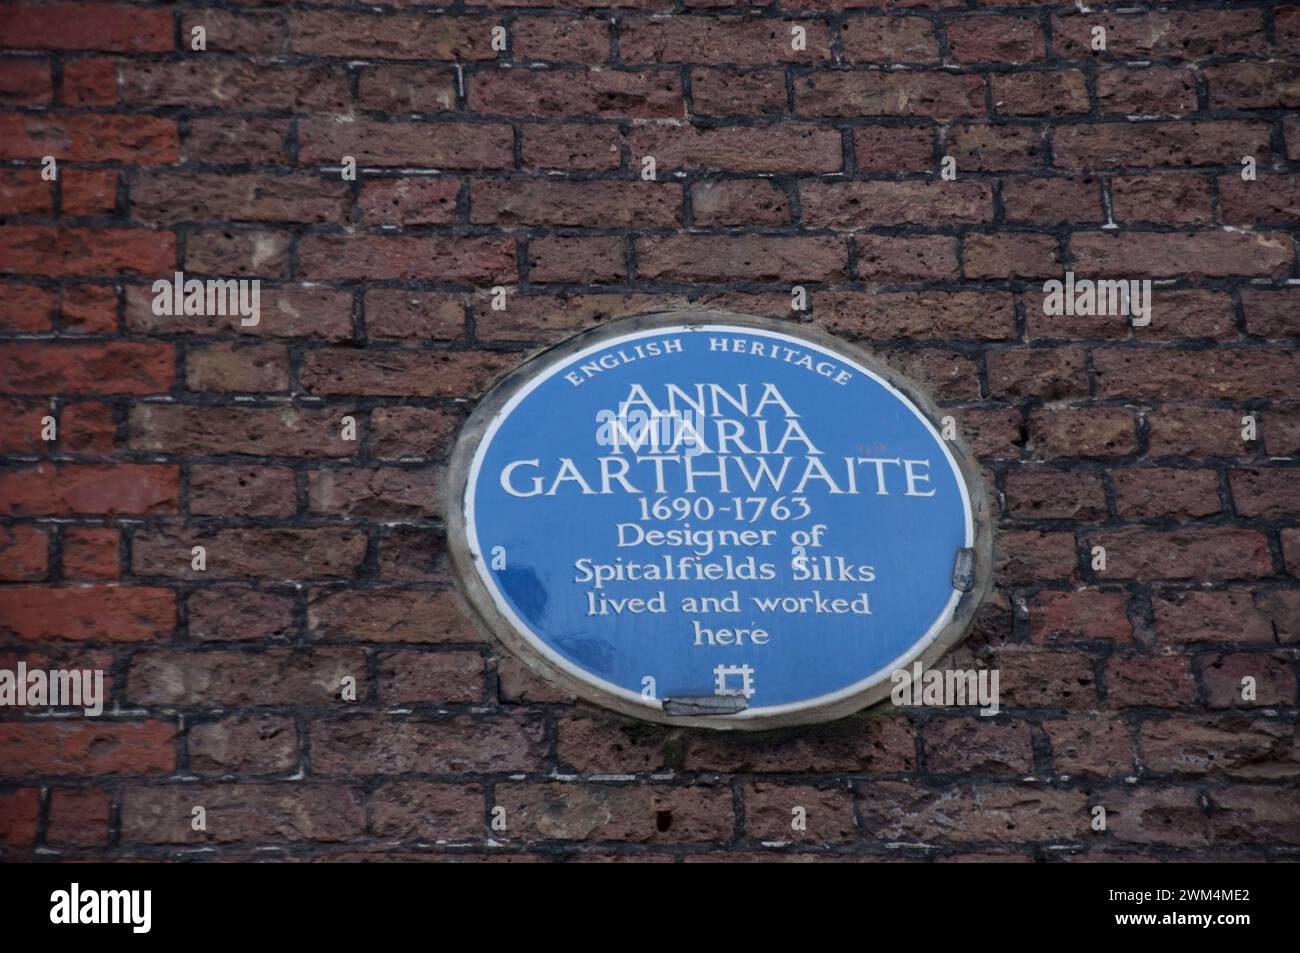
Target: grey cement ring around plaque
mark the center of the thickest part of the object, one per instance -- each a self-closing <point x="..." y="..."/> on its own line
<point x="713" y="519"/>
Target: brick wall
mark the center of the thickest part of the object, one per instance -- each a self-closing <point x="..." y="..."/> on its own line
<point x="522" y="168"/>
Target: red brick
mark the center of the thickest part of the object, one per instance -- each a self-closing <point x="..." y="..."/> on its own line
<point x="79" y="817"/>
<point x="1200" y="554"/>
<point x="1056" y="93"/>
<point x="1196" y="432"/>
<point x="756" y="92"/>
<point x="639" y="813"/>
<point x="1157" y="144"/>
<point x="421" y="200"/>
<point x="241" y="366"/>
<point x="167" y="198"/>
<point x="24" y="553"/>
<point x="256" y="813"/>
<point x="24" y="192"/>
<point x="331" y="257"/>
<point x="91" y="552"/>
<point x="1143" y="681"/>
<point x="374" y="493"/>
<point x="893" y="148"/>
<point x="98" y="613"/>
<point x="1272" y="85"/>
<point x="1183" y="254"/>
<point x="1244" y="374"/>
<point x="392" y="36"/>
<point x="25" y="308"/>
<point x="76" y="748"/>
<point x="561" y="40"/>
<point x="89" y="192"/>
<point x="19" y="812"/>
<point x="735" y="202"/>
<point x="514" y="202"/>
<point x="977" y="745"/>
<point x="254" y="744"/>
<point x="257" y="552"/>
<point x="1051" y="373"/>
<point x="238" y="614"/>
<point x="89" y="489"/>
<point x="753" y="258"/>
<point x="995" y="433"/>
<point x="1166" y="199"/>
<point x="824" y="814"/>
<point x="1182" y="34"/>
<point x="402" y="373"/>
<point x="236" y="33"/>
<point x="910" y="258"/>
<point x="235" y="140"/>
<point x="645" y="94"/>
<point x="989" y="148"/>
<point x="217" y="490"/>
<point x="888" y="40"/>
<point x="1044" y="493"/>
<point x="793" y="147"/>
<point x="995" y="39"/>
<point x="440" y="678"/>
<point x="409" y="810"/>
<point x="850" y="206"/>
<point x="87" y="428"/>
<point x="218" y="679"/>
<point x="1273" y="675"/>
<point x="86" y="26"/>
<point x="214" y="82"/>
<point x="1146" y="90"/>
<point x="1092" y="746"/>
<point x="90" y="137"/>
<point x="720" y="40"/>
<point x="917" y="314"/>
<point x="237" y="254"/>
<point x="1258" y="748"/>
<point x="45" y="250"/>
<point x="572" y="148"/>
<point x="1083" y="432"/>
<point x="889" y="93"/>
<point x="388" y="615"/>
<point x="1189" y="617"/>
<point x="399" y="744"/>
<point x="89" y="81"/>
<point x="1052" y="200"/>
<point x="1154" y="815"/>
<point x="88" y="309"/>
<point x="1266" y="493"/>
<point x="1030" y="556"/>
<point x="1011" y="256"/>
<point x="894" y="811"/>
<point x="25" y="81"/>
<point x="430" y="145"/>
<point x="1155" y="493"/>
<point x="253" y="431"/>
<point x="1079" y="615"/>
<point x="1272" y="313"/>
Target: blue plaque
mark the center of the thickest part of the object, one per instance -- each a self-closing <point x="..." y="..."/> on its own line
<point x="716" y="519"/>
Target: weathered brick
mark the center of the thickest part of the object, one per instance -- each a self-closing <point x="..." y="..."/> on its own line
<point x="68" y="748"/>
<point x="234" y="552"/>
<point x="210" y="679"/>
<point x="287" y="812"/>
<point x="87" y="613"/>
